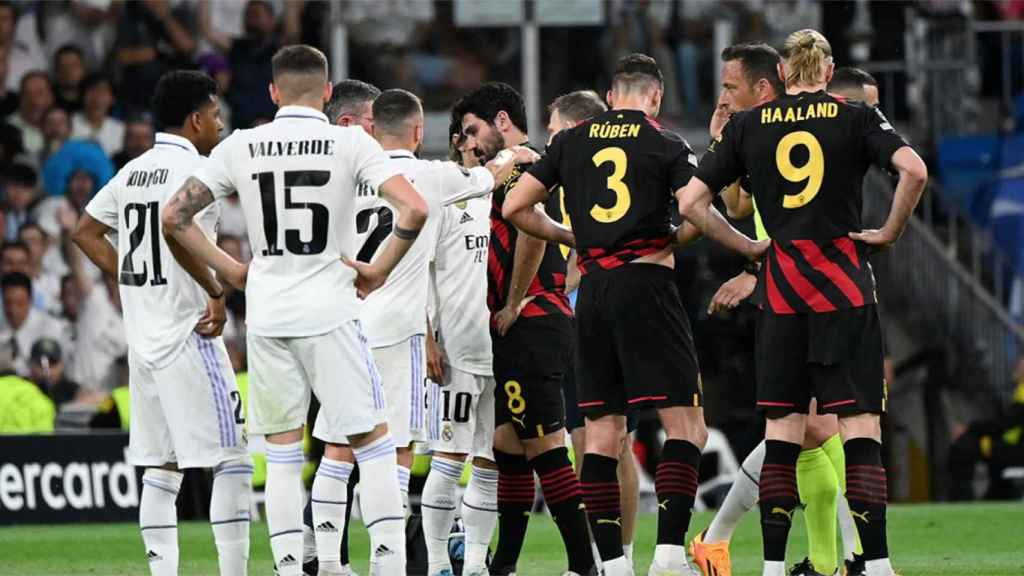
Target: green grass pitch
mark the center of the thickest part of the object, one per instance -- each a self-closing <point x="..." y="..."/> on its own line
<point x="925" y="540"/>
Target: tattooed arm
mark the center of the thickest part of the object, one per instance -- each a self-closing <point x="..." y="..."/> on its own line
<point x="191" y="247"/>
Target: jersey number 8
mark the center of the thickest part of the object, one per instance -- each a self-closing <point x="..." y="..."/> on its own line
<point x="813" y="171"/>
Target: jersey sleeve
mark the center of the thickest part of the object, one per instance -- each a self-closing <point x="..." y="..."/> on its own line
<point x="103" y="206"/>
<point x="459" y="184"/>
<point x="682" y="163"/>
<point x="215" y="172"/>
<point x="880" y="139"/>
<point x="721" y="164"/>
<point x="547" y="168"/>
<point x="370" y="164"/>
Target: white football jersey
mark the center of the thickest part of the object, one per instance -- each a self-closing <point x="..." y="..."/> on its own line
<point x="460" y="286"/>
<point x="398" y="309"/>
<point x="161" y="302"/>
<point x="297" y="178"/>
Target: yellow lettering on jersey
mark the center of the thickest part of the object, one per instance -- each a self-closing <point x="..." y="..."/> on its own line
<point x="766" y="115"/>
<point x="790" y="116"/>
<point x="614" y="131"/>
<point x="594" y="129"/>
<point x="608" y="131"/>
<point x="777" y="115"/>
<point x="813" y="110"/>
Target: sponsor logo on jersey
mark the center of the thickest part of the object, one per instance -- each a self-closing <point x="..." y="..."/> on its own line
<point x="465" y="218"/>
<point x="288" y="560"/>
<point x="326" y="527"/>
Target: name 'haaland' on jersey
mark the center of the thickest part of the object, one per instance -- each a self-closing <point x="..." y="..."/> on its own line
<point x="794" y="114"/>
<point x="318" y="147"/>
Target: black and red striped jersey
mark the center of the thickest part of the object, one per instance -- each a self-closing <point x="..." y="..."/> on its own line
<point x="548" y="286"/>
<point x="619" y="171"/>
<point x="806" y="156"/>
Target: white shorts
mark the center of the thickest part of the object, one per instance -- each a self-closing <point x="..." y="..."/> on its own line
<point x="461" y="419"/>
<point x="338" y="367"/>
<point x="403" y="368"/>
<point x="188" y="412"/>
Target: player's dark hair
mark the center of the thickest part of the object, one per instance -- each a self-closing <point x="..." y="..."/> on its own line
<point x="21" y="174"/>
<point x="348" y="97"/>
<point x="578" y="106"/>
<point x="67" y="49"/>
<point x="637" y="71"/>
<point x="393" y="109"/>
<point x="758" y="61"/>
<point x="180" y="93"/>
<point x="16" y="280"/>
<point x="95" y="79"/>
<point x="848" y="77"/>
<point x="488" y="100"/>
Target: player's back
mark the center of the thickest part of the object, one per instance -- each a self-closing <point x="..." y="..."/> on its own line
<point x="619" y="170"/>
<point x="161" y="302"/>
<point x="297" y="179"/>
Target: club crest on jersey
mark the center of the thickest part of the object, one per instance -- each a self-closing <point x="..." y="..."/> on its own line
<point x="446" y="433"/>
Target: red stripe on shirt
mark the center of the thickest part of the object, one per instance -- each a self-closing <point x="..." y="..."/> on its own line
<point x="812" y="253"/>
<point x="803" y="287"/>
<point x="846" y="246"/>
<point x="775" y="299"/>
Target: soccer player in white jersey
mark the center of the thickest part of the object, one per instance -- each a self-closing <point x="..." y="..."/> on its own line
<point x="297" y="179"/>
<point x="186" y="411"/>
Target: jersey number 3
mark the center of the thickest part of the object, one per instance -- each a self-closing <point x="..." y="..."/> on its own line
<point x="318" y="212"/>
<point x="617" y="156"/>
<point x="813" y="171"/>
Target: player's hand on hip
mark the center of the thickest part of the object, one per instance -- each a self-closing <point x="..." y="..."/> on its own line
<point x="212" y="323"/>
<point x="367" y="279"/>
<point x="730" y="294"/>
<point x="507" y="316"/>
<point x="875" y="239"/>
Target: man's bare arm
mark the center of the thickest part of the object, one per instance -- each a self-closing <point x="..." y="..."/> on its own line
<point x="695" y="206"/>
<point x="913" y="178"/>
<point x="90" y="237"/>
<point x="525" y="264"/>
<point x="738" y="203"/>
<point x="523" y="209"/>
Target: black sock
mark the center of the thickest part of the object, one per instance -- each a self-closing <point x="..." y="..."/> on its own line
<point x="867" y="492"/>
<point x="600" y="481"/>
<point x="515" y="501"/>
<point x="778" y="496"/>
<point x="353" y="479"/>
<point x="564" y="499"/>
<point x="675" y="482"/>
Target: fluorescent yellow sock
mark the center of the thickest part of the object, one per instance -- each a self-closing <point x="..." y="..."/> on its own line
<point x="833" y="447"/>
<point x="819" y="487"/>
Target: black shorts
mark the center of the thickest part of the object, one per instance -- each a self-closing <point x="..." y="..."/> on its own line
<point x="573" y="416"/>
<point x="529" y="365"/>
<point x="835" y="357"/>
<point x="634" y="347"/>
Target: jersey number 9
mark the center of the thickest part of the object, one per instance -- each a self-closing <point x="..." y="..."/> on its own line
<point x="813" y="171"/>
<point x="617" y="156"/>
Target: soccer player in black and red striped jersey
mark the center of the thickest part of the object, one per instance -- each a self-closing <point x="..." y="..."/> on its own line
<point x="634" y="346"/>
<point x="530" y="332"/>
<point x="818" y="335"/>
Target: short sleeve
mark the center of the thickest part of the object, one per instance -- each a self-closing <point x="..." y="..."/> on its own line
<point x="721" y="164"/>
<point x="458" y="183"/>
<point x="880" y="139"/>
<point x="370" y="164"/>
<point x="215" y="171"/>
<point x="546" y="170"/>
<point x="682" y="163"/>
<point x="103" y="206"/>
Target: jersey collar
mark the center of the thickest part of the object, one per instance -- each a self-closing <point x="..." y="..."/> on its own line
<point x="302" y="112"/>
<point x="401" y="153"/>
<point x="174" y="141"/>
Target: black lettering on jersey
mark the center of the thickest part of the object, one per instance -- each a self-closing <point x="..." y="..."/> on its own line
<point x="364" y="189"/>
<point x="318" y="147"/>
<point x="142" y="178"/>
<point x="475" y="242"/>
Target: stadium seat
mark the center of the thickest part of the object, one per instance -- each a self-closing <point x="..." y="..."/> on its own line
<point x="965" y="164"/>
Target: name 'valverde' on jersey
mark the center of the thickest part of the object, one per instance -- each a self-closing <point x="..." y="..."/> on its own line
<point x="297" y="178"/>
<point x="806" y="156"/>
<point x="618" y="171"/>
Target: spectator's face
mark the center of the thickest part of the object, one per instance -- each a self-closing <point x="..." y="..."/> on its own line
<point x="80" y="189"/>
<point x="37" y="243"/>
<point x="52" y="373"/>
<point x="57" y="125"/>
<point x="17" y="303"/>
<point x="737" y="92"/>
<point x="36" y="98"/>
<point x="99" y="99"/>
<point x="138" y="137"/>
<point x="7" y="21"/>
<point x="19" y="196"/>
<point x="482" y="138"/>
<point x="70" y="299"/>
<point x="14" y="260"/>
<point x="259" y="20"/>
<point x="70" y="70"/>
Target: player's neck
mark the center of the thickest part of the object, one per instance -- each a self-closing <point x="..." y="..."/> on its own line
<point x="515" y="137"/>
<point x="316" y="103"/>
<point x="389" y="144"/>
<point x="801" y="88"/>
<point x="639" y="103"/>
<point x="186" y="134"/>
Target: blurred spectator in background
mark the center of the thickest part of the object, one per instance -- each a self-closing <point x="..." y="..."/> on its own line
<point x="46" y="367"/>
<point x="10" y="145"/>
<point x="251" y="71"/>
<point x="21" y="56"/>
<point x="45" y="284"/>
<point x="25" y="323"/>
<point x="14" y="257"/>
<point x="71" y="156"/>
<point x="68" y="72"/>
<point x="35" y="97"/>
<point x="98" y="335"/>
<point x="151" y="39"/>
<point x="220" y="24"/>
<point x="24" y="408"/>
<point x="56" y="131"/>
<point x="8" y="97"/>
<point x="22" y="192"/>
<point x="80" y="189"/>
<point x="94" y="122"/>
<point x="138" y="137"/>
<point x="216" y="65"/>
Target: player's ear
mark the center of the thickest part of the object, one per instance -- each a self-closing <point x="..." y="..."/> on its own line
<point x="501" y="120"/>
<point x="275" y="96"/>
<point x="782" y="73"/>
<point x="829" y="70"/>
<point x="328" y="90"/>
<point x="610" y="97"/>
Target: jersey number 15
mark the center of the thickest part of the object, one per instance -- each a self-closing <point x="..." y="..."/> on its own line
<point x="293" y="238"/>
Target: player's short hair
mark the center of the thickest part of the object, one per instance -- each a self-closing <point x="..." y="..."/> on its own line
<point x="488" y="100"/>
<point x="848" y="77"/>
<point x="21" y="174"/>
<point x="806" y="52"/>
<point x="16" y="280"/>
<point x="578" y="106"/>
<point x="348" y="97"/>
<point x="299" y="69"/>
<point x="758" y="61"/>
<point x="455" y="137"/>
<point x="393" y="109"/>
<point x="180" y="93"/>
<point x="637" y="72"/>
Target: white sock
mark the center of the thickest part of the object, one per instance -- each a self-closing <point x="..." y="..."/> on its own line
<point x="627" y="551"/>
<point x="740" y="499"/>
<point x="330" y="489"/>
<point x="381" y="505"/>
<point x="438" y="509"/>
<point x="774" y="569"/>
<point x="229" y="515"/>
<point x="284" y="506"/>
<point x="620" y="566"/>
<point x="158" y="520"/>
<point x="403" y="485"/>
<point x="480" y="514"/>
<point x="880" y="567"/>
<point x="847" y="528"/>
<point x="669" y="555"/>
